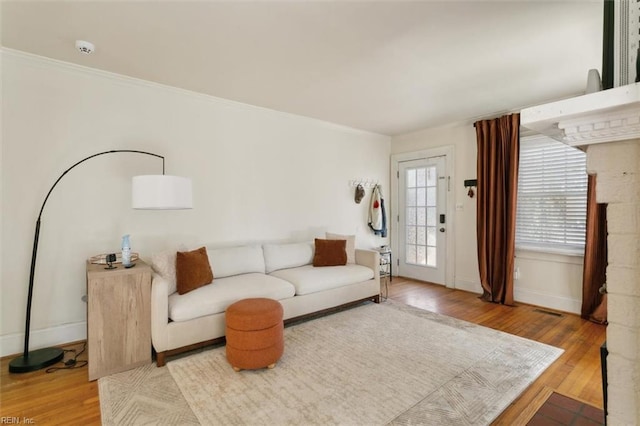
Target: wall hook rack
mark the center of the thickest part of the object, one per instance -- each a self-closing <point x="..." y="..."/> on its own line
<point x="365" y="183"/>
<point x="471" y="184"/>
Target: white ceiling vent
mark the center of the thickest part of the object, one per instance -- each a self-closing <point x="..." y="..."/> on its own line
<point x="85" y="47"/>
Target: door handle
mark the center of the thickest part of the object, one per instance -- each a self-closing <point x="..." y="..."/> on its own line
<point x="441" y="229"/>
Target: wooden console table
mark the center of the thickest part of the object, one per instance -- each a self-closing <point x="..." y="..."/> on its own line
<point x="118" y="318"/>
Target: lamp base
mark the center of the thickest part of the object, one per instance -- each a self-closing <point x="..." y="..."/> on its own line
<point x="36" y="360"/>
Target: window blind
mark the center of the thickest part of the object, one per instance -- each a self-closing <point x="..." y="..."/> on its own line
<point x="552" y="195"/>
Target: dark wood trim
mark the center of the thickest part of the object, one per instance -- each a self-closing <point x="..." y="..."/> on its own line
<point x="332" y="310"/>
<point x="161" y="356"/>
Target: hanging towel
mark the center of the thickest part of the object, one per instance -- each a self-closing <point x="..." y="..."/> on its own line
<point x="377" y="215"/>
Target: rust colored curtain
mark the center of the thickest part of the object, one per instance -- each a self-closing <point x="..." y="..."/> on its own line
<point x="498" y="156"/>
<point x="594" y="304"/>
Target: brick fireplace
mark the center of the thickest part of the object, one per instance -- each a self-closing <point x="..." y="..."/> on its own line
<point x="607" y="126"/>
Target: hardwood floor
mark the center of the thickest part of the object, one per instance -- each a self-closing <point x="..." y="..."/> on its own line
<point x="67" y="397"/>
<point x="63" y="397"/>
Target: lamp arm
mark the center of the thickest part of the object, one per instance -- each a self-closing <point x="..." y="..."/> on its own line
<point x="37" y="235"/>
<point x="90" y="157"/>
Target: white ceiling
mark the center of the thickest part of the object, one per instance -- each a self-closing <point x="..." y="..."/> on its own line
<point x="389" y="67"/>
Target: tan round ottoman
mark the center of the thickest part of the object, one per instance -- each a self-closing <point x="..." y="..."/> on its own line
<point x="255" y="333"/>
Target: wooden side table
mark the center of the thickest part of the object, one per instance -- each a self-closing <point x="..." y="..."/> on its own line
<point x="118" y="318"/>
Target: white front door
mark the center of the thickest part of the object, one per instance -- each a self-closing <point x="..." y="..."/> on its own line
<point x="422" y="220"/>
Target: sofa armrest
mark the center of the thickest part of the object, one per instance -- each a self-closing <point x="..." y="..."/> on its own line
<point x="159" y="313"/>
<point x="370" y="259"/>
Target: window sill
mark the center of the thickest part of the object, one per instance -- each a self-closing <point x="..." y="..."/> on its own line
<point x="551" y="250"/>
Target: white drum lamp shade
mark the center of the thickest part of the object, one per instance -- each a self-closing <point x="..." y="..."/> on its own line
<point x="161" y="192"/>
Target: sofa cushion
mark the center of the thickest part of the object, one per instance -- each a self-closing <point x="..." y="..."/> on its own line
<point x="282" y="256"/>
<point x="308" y="279"/>
<point x="227" y="262"/>
<point x="164" y="264"/>
<point x="192" y="270"/>
<point x="351" y="244"/>
<point x="215" y="298"/>
<point x="330" y="252"/>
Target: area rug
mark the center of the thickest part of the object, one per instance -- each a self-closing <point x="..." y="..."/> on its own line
<point x="146" y="395"/>
<point x="374" y="364"/>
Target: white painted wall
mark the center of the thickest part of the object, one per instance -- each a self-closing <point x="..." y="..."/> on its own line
<point x="258" y="175"/>
<point x="548" y="280"/>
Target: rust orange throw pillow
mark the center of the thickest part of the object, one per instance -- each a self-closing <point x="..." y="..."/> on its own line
<point x="330" y="252"/>
<point x="192" y="270"/>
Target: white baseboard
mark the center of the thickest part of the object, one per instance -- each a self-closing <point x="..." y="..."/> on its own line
<point x="470" y="286"/>
<point x="12" y="344"/>
<point x="558" y="303"/>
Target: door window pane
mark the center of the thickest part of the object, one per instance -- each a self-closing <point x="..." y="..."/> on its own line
<point x="422" y="216"/>
<point x="411" y="178"/>
<point x="410" y="256"/>
<point x="421" y="197"/>
<point x="432" y="178"/>
<point x="411" y="234"/>
<point x="411" y="215"/>
<point x="421" y="177"/>
<point x="421" y="255"/>
<point x="411" y="197"/>
<point x="422" y="236"/>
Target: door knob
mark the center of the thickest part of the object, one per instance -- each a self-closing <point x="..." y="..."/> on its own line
<point x="441" y="229"/>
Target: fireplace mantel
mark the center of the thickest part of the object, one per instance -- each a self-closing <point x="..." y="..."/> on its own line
<point x="607" y="116"/>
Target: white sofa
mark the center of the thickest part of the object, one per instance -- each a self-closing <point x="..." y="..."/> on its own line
<point x="283" y="272"/>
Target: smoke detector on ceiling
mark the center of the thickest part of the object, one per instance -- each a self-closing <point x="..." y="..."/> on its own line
<point x="85" y="47"/>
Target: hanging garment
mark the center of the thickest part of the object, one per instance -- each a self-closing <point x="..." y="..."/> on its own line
<point x="359" y="194"/>
<point x="377" y="214"/>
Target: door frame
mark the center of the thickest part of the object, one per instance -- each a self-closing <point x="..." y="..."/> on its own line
<point x="448" y="151"/>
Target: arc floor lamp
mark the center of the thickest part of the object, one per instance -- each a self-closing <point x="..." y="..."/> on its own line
<point x="154" y="192"/>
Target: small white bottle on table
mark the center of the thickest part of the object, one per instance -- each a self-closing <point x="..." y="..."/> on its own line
<point x="126" y="251"/>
